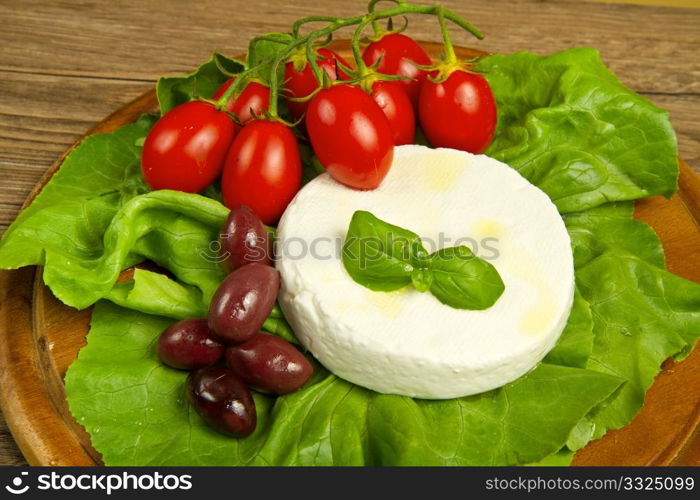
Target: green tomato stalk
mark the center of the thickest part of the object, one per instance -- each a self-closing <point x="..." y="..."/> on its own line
<point x="376" y="27"/>
<point x="333" y="24"/>
<point x="366" y="76"/>
<point x="449" y="62"/>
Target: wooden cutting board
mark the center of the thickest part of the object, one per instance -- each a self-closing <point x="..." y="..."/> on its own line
<point x="40" y="338"/>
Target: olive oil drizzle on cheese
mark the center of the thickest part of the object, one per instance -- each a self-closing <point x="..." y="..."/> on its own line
<point x="536" y="319"/>
<point x="441" y="176"/>
<point x="389" y="303"/>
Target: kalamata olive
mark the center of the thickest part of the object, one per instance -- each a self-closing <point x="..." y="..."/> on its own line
<point x="243" y="239"/>
<point x="222" y="400"/>
<point x="243" y="301"/>
<point x="269" y="363"/>
<point x="189" y="344"/>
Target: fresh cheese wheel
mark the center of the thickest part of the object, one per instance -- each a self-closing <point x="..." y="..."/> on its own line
<point x="406" y="342"/>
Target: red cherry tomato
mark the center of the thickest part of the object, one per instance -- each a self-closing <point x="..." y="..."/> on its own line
<point x="302" y="83"/>
<point x="458" y="113"/>
<point x="254" y="99"/>
<point x="263" y="169"/>
<point x="350" y="135"/>
<point x="391" y="97"/>
<point x="185" y="150"/>
<point x="399" y="55"/>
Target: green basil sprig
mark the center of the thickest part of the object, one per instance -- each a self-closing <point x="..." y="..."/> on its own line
<point x="385" y="257"/>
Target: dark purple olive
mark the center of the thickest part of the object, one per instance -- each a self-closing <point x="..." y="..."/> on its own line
<point x="243" y="302"/>
<point x="269" y="363"/>
<point x="243" y="239"/>
<point x="222" y="400"/>
<point x="189" y="344"/>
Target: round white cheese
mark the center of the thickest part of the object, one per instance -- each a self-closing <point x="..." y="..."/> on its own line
<point x="407" y="342"/>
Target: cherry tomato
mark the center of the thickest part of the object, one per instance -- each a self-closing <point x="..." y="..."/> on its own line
<point x="302" y="83"/>
<point x="254" y="99"/>
<point x="350" y="135"/>
<point x="393" y="100"/>
<point x="399" y="55"/>
<point x="185" y="150"/>
<point x="458" y="113"/>
<point x="263" y="169"/>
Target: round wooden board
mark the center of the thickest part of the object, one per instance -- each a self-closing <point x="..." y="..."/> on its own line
<point x="41" y="337"/>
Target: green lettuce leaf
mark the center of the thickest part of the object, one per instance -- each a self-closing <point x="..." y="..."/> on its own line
<point x="559" y="459"/>
<point x="262" y="51"/>
<point x="172" y="229"/>
<point x="155" y="293"/>
<point x="642" y="315"/>
<point x="575" y="344"/>
<point x="610" y="227"/>
<point x="135" y="410"/>
<point x="68" y="219"/>
<point x="571" y="128"/>
<point x="203" y="82"/>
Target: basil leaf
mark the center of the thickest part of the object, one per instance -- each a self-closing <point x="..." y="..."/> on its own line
<point x="384" y="257"/>
<point x="203" y="82"/>
<point x="379" y="255"/>
<point x="464" y="281"/>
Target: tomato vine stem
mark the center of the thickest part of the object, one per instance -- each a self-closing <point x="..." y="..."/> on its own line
<point x="450" y="57"/>
<point x="376" y="27"/>
<point x="355" y="44"/>
<point x="335" y="23"/>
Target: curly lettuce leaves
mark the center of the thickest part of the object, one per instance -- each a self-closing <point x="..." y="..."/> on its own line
<point x="155" y="293"/>
<point x="568" y="125"/>
<point x="576" y="341"/>
<point x="642" y="315"/>
<point x="610" y="227"/>
<point x="136" y="413"/>
<point x="170" y="228"/>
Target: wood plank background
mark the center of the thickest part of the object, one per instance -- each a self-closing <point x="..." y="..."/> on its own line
<point x="64" y="65"/>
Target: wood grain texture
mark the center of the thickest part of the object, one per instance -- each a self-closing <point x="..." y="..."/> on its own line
<point x="658" y="3"/>
<point x="67" y="64"/>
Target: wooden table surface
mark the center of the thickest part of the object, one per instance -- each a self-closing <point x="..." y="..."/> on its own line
<point x="65" y="65"/>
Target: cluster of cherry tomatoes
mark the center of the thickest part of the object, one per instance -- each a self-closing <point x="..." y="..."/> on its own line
<point x="352" y="125"/>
